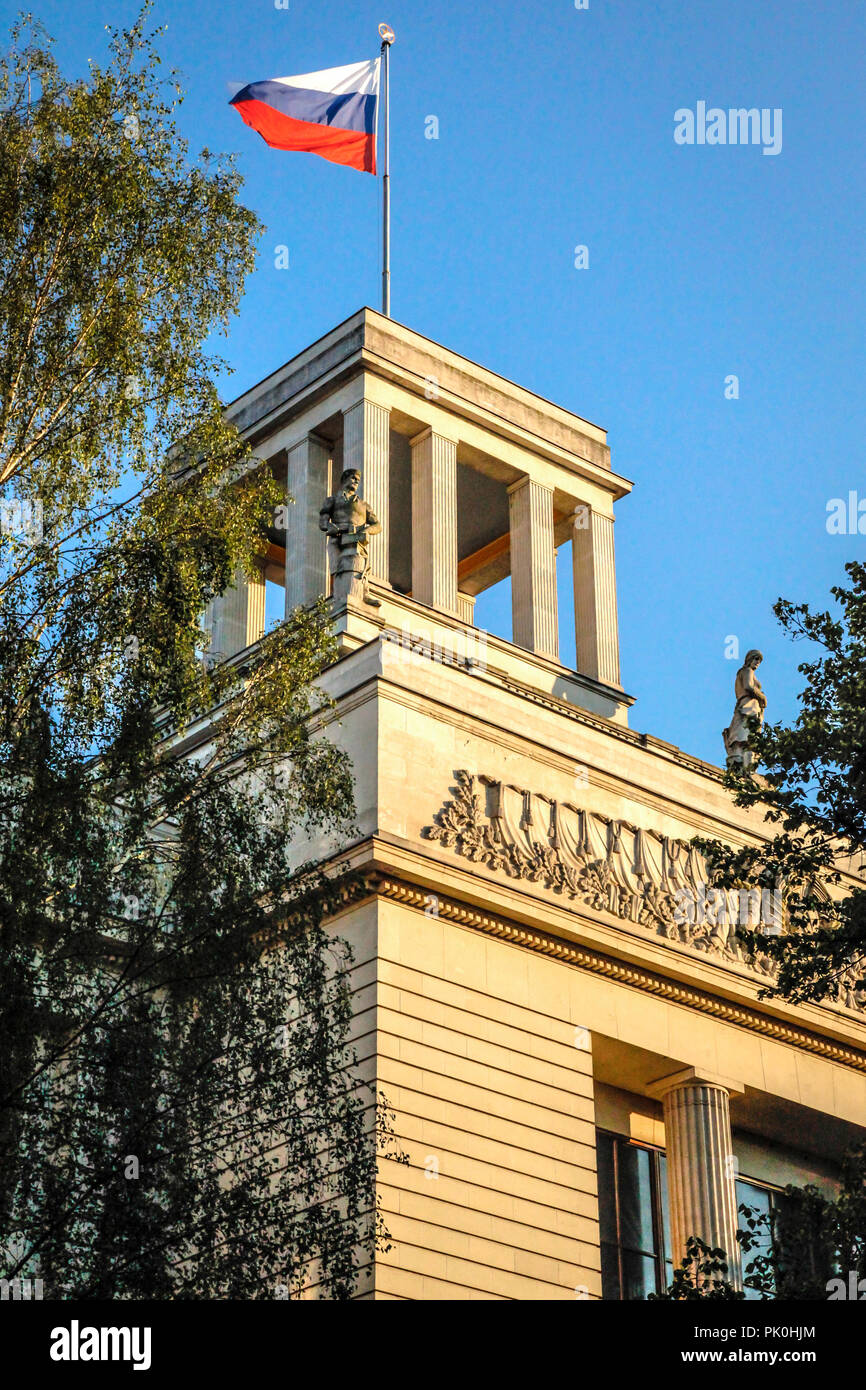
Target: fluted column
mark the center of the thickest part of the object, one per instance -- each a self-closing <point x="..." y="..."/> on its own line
<point x="595" y="617"/>
<point x="434" y="521"/>
<point x="701" y="1178"/>
<point x="533" y="568"/>
<point x="309" y="484"/>
<point x="366" y="446"/>
<point x="466" y="608"/>
<point x="236" y="618"/>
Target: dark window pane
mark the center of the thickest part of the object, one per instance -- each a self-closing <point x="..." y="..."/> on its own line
<point x="805" y="1245"/>
<point x="639" y="1275"/>
<point x="606" y="1195"/>
<point x="635" y="1199"/>
<point x="609" y="1272"/>
<point x="629" y="1216"/>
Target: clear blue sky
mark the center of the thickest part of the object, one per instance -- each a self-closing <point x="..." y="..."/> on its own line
<point x="556" y="129"/>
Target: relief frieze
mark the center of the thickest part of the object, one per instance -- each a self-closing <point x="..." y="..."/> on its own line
<point x="653" y="881"/>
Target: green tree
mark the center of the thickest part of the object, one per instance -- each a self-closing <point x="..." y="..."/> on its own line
<point x="179" y="1111"/>
<point x="810" y="1238"/>
<point x="812" y="789"/>
<point x="701" y="1275"/>
<point x="810" y="1245"/>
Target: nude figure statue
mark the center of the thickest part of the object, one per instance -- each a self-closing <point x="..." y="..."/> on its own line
<point x="751" y="703"/>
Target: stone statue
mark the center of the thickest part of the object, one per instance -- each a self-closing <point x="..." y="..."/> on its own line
<point x="348" y="521"/>
<point x="751" y="703"/>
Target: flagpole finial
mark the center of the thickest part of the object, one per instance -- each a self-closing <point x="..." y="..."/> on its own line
<point x="386" y="34"/>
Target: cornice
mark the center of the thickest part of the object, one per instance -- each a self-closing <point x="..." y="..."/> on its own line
<point x="391" y="888"/>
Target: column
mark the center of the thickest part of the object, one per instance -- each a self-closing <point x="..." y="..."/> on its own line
<point x="309" y="483"/>
<point x="434" y="521"/>
<point x="466" y="608"/>
<point x="596" y="628"/>
<point x="703" y="1200"/>
<point x="366" y="446"/>
<point x="236" y="618"/>
<point x="533" y="568"/>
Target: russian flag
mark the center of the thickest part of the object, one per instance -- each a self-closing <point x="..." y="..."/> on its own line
<point x="332" y="113"/>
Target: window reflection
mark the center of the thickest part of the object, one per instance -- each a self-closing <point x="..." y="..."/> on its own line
<point x="631" y="1218"/>
<point x="761" y="1200"/>
<point x="634" y="1218"/>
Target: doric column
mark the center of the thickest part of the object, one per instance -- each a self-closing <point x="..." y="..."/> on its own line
<point x="596" y="629"/>
<point x="701" y="1177"/>
<point x="533" y="568"/>
<point x="366" y="446"/>
<point x="434" y="521"/>
<point x="236" y="618"/>
<point x="309" y="483"/>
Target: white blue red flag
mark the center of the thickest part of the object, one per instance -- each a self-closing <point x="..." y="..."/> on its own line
<point x="332" y="113"/>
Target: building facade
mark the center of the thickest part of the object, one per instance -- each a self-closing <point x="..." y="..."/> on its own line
<point x="563" y="1022"/>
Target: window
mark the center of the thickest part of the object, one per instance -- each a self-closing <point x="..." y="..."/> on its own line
<point x="765" y="1200"/>
<point x="635" y="1236"/>
<point x="635" y="1222"/>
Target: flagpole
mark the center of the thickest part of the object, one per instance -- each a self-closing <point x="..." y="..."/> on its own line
<point x="388" y="36"/>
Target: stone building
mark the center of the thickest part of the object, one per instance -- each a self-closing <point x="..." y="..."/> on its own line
<point x="581" y="1068"/>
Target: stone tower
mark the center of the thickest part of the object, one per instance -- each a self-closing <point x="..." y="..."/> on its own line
<point x="582" y="1071"/>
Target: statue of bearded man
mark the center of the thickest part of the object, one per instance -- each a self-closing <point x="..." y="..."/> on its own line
<point x="348" y="521"/>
